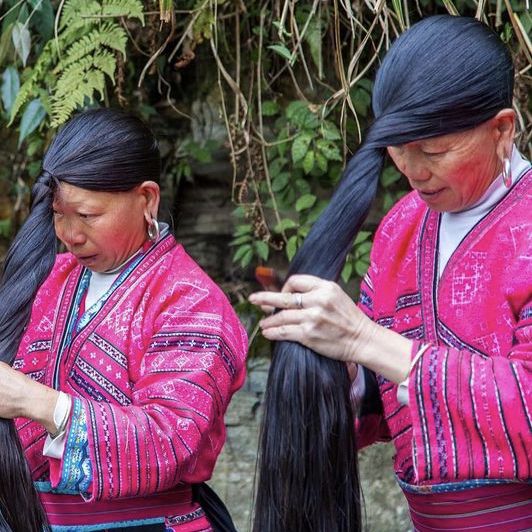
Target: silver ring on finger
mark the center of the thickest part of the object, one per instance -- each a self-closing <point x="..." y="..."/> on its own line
<point x="298" y="300"/>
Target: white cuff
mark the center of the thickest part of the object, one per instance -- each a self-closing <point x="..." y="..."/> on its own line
<point x="54" y="447"/>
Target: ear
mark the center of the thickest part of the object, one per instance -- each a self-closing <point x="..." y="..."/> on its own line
<point x="151" y="195"/>
<point x="504" y="122"/>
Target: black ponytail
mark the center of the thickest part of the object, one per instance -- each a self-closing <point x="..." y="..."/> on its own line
<point x="445" y="74"/>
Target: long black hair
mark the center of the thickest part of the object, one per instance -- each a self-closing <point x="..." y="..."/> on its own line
<point x="101" y="150"/>
<point x="443" y="75"/>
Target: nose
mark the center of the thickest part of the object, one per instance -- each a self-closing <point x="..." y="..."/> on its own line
<point x="70" y="233"/>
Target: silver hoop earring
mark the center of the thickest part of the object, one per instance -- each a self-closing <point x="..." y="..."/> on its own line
<point x="506" y="172"/>
<point x="153" y="230"/>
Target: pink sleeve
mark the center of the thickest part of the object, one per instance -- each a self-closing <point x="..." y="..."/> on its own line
<point x="370" y="425"/>
<point x="471" y="413"/>
<point x="174" y="429"/>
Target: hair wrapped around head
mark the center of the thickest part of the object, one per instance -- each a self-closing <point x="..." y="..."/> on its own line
<point x="443" y="75"/>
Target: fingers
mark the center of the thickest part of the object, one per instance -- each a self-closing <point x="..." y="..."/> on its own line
<point x="285" y="317"/>
<point x="292" y="333"/>
<point x="302" y="283"/>
<point x="282" y="300"/>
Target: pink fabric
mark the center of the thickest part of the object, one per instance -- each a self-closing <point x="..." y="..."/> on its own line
<point x="155" y="369"/>
<point x="469" y="413"/>
<point x="505" y="508"/>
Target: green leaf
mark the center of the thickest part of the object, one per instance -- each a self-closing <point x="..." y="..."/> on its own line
<point x="5" y="228"/>
<point x="35" y="4"/>
<point x="308" y="162"/>
<point x="282" y="50"/>
<point x="305" y="202"/>
<point x="291" y="247"/>
<point x="347" y="270"/>
<point x="270" y="108"/>
<point x="389" y="176"/>
<point x="262" y="248"/>
<point x="362" y="236"/>
<point x="314" y="40"/>
<point x="10" y="88"/>
<point x="31" y="119"/>
<point x="285" y="224"/>
<point x="241" y="251"/>
<point x="21" y="41"/>
<point x="276" y="166"/>
<point x="367" y="84"/>
<point x="300" y="146"/>
<point x="305" y="118"/>
<point x="243" y="229"/>
<point x="43" y="19"/>
<point x="246" y="259"/>
<point x="280" y="181"/>
<point x="295" y="107"/>
<point x="35" y="145"/>
<point x="321" y="161"/>
<point x="361" y="101"/>
<point x="241" y="240"/>
<point x="5" y="42"/>
<point x="302" y="186"/>
<point x="361" y="267"/>
<point x="329" y="150"/>
<point x="330" y="131"/>
<point x="363" y="249"/>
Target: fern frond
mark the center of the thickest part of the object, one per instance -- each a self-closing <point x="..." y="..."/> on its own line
<point x="82" y="80"/>
<point x="62" y="108"/>
<point x="27" y="90"/>
<point x="123" y="8"/>
<point x="110" y="35"/>
<point x="113" y="36"/>
<point x="75" y="13"/>
<point x="24" y="94"/>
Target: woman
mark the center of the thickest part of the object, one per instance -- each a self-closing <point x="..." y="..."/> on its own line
<point x="125" y="366"/>
<point x="445" y="314"/>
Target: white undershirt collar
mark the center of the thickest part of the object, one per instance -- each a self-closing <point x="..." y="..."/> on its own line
<point x="454" y="226"/>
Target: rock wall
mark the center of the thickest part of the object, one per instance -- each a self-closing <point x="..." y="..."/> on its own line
<point x="233" y="477"/>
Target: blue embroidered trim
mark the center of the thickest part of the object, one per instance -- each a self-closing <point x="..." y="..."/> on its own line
<point x="94" y="309"/>
<point x="74" y="325"/>
<point x="105" y="526"/>
<point x="44" y="486"/>
<point x="76" y="474"/>
<point x="450" y="487"/>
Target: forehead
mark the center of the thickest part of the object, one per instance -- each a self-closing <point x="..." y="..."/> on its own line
<point x="66" y="194"/>
<point x="468" y="136"/>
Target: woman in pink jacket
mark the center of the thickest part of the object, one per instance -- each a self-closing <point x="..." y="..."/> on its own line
<point x="126" y="353"/>
<point x="442" y="336"/>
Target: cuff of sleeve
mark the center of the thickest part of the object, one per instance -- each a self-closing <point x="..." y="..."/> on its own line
<point x="54" y="444"/>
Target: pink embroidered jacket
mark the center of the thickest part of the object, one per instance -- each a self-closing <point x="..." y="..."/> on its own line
<point x="154" y="369"/>
<point x="469" y="412"/>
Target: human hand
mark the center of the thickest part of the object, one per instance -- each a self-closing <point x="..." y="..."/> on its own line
<point x="317" y="314"/>
<point x="20" y="396"/>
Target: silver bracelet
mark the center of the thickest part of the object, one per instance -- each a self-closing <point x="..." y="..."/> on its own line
<point x="402" y="387"/>
<point x="64" y="404"/>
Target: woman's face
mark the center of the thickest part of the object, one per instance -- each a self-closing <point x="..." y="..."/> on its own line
<point x="452" y="172"/>
<point x="103" y="229"/>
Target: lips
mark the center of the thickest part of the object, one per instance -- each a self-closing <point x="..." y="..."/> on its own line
<point x="430" y="193"/>
<point x="85" y="258"/>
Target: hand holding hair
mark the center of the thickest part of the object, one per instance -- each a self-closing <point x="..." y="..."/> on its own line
<point x="321" y="316"/>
